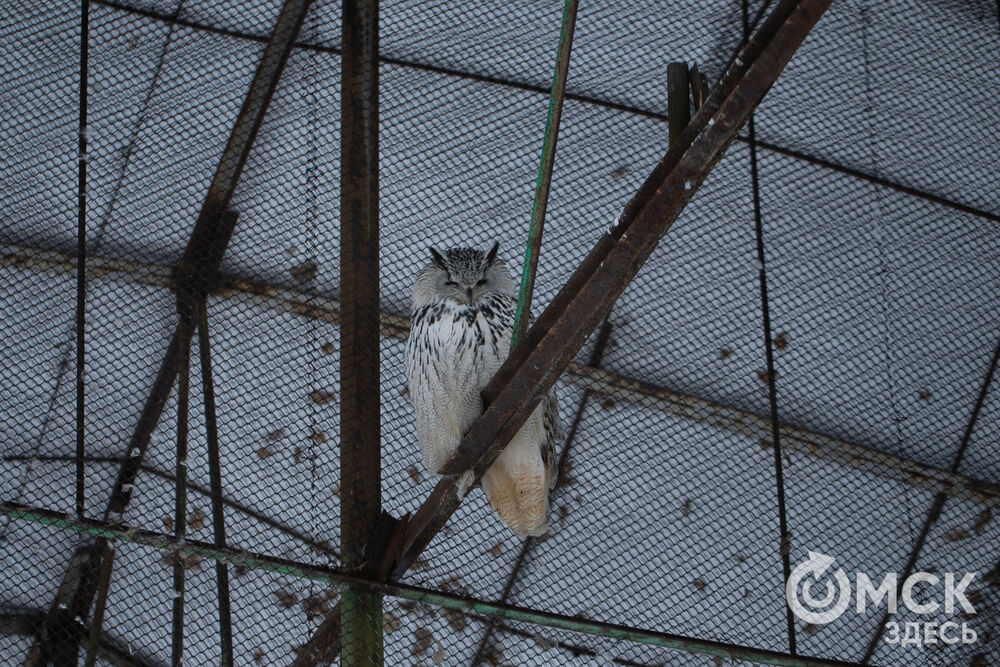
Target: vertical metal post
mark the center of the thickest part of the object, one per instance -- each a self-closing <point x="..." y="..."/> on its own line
<point x="678" y="108"/>
<point x="180" y="482"/>
<point x="81" y="254"/>
<point x="215" y="476"/>
<point x="360" y="469"/>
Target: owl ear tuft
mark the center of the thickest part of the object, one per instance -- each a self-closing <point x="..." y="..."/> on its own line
<point x="438" y="259"/>
<point x="491" y="256"/>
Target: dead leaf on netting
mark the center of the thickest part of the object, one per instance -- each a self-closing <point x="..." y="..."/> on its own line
<point x="419" y="564"/>
<point x="718" y="660"/>
<point x="409" y="606"/>
<point x="608" y="404"/>
<point x="785" y="546"/>
<point x="781" y="341"/>
<point x="544" y="643"/>
<point x="686" y="507"/>
<point x="414" y="474"/>
<point x="456" y="619"/>
<point x="275" y="436"/>
<point x="984" y="519"/>
<point x="496" y="550"/>
<point x="810" y="629"/>
<point x="317" y="436"/>
<point x="326" y="348"/>
<point x="563" y="512"/>
<point x="258" y="656"/>
<point x="765" y="443"/>
<point x="168" y="524"/>
<point x="321" y="396"/>
<point x="390" y="623"/>
<point x="725" y="353"/>
<point x="286" y="599"/>
<point x="423" y="638"/>
<point x="189" y="560"/>
<point x="304" y="272"/>
<point x="492" y="656"/>
<point x="924" y="395"/>
<point x="196" y="519"/>
<point x="439" y="656"/>
<point x="739" y="558"/>
<point x="620" y="172"/>
<point x="451" y="583"/>
<point x="264" y="452"/>
<point x="956" y="535"/>
<point x="766" y="377"/>
<point x="315" y="605"/>
<point x="699" y="584"/>
<point x="241" y="570"/>
<point x="336" y="491"/>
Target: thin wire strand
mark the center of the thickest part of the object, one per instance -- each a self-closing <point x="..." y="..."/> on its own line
<point x="784" y="541"/>
<point x="81" y="258"/>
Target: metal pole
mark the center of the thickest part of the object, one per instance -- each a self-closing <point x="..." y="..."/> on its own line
<point x="360" y="436"/>
<point x="180" y="486"/>
<point x="808" y="443"/>
<point x="544" y="182"/>
<point x="215" y="477"/>
<point x="678" y="107"/>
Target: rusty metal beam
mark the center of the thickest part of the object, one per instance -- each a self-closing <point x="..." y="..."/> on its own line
<point x="560" y="332"/>
<point x="600" y="345"/>
<point x="360" y="609"/>
<point x="25" y="623"/>
<point x="538" y="361"/>
<point x="678" y="105"/>
<point x="320" y="547"/>
<point x="604" y="383"/>
<point x="194" y="277"/>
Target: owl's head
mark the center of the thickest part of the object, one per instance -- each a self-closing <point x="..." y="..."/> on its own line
<point x="463" y="275"/>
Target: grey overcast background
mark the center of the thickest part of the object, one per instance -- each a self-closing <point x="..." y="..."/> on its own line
<point x="879" y="200"/>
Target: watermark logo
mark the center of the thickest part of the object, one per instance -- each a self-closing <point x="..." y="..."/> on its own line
<point x="825" y="609"/>
<point x="818" y="593"/>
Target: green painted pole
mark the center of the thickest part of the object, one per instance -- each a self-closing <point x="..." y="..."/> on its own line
<point x="337" y="577"/>
<point x="544" y="181"/>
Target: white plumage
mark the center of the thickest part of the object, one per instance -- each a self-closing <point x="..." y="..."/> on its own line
<point x="462" y="317"/>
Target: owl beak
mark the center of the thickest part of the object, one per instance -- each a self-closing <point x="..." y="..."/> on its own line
<point x="468" y="292"/>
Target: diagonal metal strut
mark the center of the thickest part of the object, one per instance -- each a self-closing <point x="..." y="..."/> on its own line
<point x="195" y="275"/>
<point x="537" y="362"/>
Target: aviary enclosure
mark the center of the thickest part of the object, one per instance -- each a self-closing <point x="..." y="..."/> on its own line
<point x="764" y="244"/>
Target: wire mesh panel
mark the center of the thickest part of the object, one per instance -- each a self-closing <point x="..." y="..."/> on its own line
<point x="797" y="386"/>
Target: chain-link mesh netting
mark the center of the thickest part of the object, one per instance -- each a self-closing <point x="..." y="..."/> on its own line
<point x="835" y="282"/>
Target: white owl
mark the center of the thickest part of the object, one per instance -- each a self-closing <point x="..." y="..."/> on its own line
<point x="462" y="316"/>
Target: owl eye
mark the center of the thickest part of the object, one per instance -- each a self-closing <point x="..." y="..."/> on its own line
<point x="481" y="282"/>
<point x="450" y="282"/>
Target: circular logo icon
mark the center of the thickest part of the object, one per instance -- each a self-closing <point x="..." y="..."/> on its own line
<point x="828" y="606"/>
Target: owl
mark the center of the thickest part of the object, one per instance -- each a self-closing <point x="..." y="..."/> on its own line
<point x="461" y="319"/>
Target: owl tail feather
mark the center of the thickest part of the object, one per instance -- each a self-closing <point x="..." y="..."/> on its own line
<point x="520" y="496"/>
